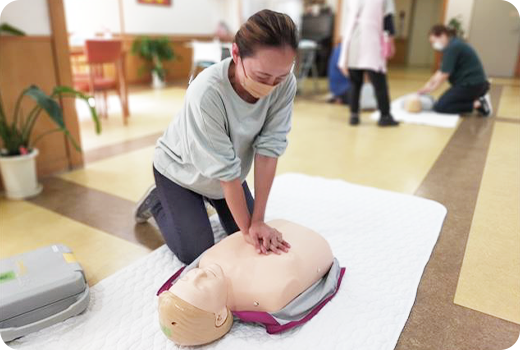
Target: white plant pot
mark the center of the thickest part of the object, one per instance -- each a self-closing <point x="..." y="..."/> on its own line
<point x="157" y="82"/>
<point x="19" y="175"/>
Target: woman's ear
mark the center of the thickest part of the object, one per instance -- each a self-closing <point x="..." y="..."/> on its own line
<point x="235" y="53"/>
<point x="221" y="316"/>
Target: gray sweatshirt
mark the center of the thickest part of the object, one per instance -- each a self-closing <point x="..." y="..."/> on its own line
<point x="216" y="134"/>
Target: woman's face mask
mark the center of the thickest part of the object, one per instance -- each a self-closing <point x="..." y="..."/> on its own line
<point x="438" y="46"/>
<point x="255" y="88"/>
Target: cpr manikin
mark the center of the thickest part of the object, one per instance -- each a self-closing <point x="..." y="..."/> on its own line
<point x="415" y="103"/>
<point x="280" y="291"/>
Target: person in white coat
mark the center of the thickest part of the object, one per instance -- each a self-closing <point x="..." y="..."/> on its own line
<point x="365" y="48"/>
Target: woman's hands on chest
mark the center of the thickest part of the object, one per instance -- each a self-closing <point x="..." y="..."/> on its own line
<point x="266" y="239"/>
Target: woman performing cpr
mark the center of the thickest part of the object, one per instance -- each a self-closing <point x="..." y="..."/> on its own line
<point x="234" y="111"/>
<point x="462" y="67"/>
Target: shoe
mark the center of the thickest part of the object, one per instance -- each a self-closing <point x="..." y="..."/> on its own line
<point x="387" y="120"/>
<point x="485" y="109"/>
<point x="354" y="119"/>
<point x="143" y="209"/>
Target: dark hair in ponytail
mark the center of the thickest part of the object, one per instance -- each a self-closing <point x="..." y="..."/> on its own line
<point x="266" y="28"/>
<point x="439" y="29"/>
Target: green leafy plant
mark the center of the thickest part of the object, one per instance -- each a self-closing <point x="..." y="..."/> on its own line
<point x="456" y="24"/>
<point x="16" y="134"/>
<point x="9" y="29"/>
<point x="153" y="51"/>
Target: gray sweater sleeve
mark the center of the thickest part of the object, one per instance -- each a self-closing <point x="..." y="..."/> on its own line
<point x="272" y="140"/>
<point x="209" y="145"/>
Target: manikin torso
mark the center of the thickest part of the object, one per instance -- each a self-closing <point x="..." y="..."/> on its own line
<point x="269" y="282"/>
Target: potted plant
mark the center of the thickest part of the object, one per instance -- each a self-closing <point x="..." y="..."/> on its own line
<point x="18" y="155"/>
<point x="153" y="51"/>
<point x="456" y="24"/>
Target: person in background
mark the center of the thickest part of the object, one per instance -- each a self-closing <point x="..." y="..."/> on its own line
<point x="339" y="84"/>
<point x="365" y="48"/>
<point x="463" y="69"/>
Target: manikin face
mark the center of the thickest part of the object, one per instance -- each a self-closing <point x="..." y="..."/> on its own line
<point x="205" y="289"/>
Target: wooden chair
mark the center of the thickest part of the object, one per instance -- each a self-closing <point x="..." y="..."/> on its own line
<point x="99" y="53"/>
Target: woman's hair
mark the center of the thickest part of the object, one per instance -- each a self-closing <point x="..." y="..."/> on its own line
<point x="188" y="325"/>
<point x="439" y="29"/>
<point x="268" y="29"/>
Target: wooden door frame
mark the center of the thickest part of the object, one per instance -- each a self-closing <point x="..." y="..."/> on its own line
<point x="438" y="55"/>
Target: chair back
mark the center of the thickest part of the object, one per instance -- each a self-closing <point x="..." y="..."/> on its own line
<point x="103" y="51"/>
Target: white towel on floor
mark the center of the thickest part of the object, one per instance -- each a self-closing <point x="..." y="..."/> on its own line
<point x="424" y="118"/>
<point x="384" y="240"/>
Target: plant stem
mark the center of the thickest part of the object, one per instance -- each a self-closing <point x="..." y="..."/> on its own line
<point x="17" y="107"/>
<point x="30" y="123"/>
<point x="2" y="113"/>
<point x="44" y="134"/>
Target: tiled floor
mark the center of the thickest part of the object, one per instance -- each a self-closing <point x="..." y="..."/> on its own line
<point x="489" y="278"/>
<point x="469" y="295"/>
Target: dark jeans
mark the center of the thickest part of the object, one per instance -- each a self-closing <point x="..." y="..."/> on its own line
<point x="380" y="86"/>
<point x="183" y="220"/>
<point x="460" y="99"/>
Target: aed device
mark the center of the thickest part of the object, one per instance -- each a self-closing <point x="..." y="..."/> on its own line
<point x="40" y="288"/>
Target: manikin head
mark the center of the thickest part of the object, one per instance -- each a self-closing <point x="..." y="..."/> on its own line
<point x="193" y="311"/>
<point x="440" y="36"/>
<point x="412" y="104"/>
<point x="415" y="103"/>
<point x="263" y="51"/>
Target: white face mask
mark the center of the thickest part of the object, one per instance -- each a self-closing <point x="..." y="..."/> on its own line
<point x="438" y="46"/>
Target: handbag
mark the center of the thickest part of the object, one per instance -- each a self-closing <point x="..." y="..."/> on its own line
<point x="386" y="45"/>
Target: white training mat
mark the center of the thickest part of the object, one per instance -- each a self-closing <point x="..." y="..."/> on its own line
<point x="423" y="118"/>
<point x="384" y="240"/>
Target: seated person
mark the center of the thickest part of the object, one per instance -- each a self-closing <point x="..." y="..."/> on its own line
<point x="280" y="291"/>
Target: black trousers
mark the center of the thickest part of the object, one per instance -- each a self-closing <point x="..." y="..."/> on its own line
<point x="182" y="218"/>
<point x="380" y="86"/>
<point x="460" y="99"/>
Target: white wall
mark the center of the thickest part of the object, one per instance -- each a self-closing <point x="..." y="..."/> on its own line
<point x="92" y="16"/>
<point x="293" y="8"/>
<point x="31" y="16"/>
<point x="182" y="17"/>
<point x="463" y="9"/>
<point x="231" y="14"/>
<point x="494" y="19"/>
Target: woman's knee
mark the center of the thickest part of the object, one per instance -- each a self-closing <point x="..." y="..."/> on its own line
<point x="440" y="108"/>
<point x="187" y="254"/>
<point x="188" y="247"/>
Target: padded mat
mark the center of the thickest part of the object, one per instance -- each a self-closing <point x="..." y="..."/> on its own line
<point x="423" y="118"/>
<point x="384" y="240"/>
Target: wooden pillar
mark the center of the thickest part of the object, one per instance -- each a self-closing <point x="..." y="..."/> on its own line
<point x="60" y="44"/>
